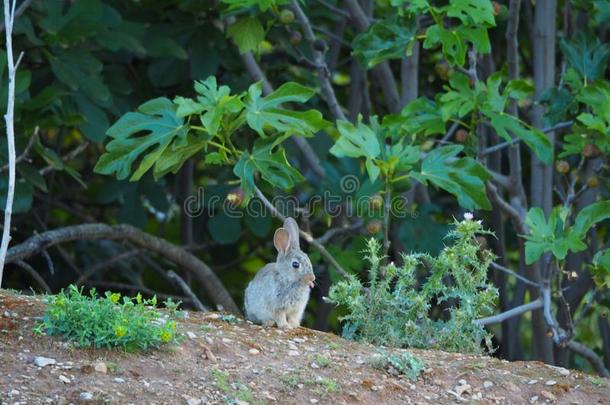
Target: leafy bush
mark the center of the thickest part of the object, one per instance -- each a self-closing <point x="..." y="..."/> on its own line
<point x="393" y="310"/>
<point x="91" y="321"/>
<point x="405" y="363"/>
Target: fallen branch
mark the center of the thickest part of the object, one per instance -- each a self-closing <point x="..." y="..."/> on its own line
<point x="34" y="275"/>
<point x="209" y="281"/>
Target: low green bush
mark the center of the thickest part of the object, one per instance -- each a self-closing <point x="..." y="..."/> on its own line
<point x="108" y="322"/>
<point x="393" y="309"/>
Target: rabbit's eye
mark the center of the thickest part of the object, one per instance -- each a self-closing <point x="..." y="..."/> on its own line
<point x="295" y="264"/>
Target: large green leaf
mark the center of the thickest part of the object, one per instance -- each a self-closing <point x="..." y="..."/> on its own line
<point x="589" y="216"/>
<point x="144" y="134"/>
<point x="80" y="20"/>
<point x="272" y="166"/>
<point x="421" y="116"/>
<point x="358" y="141"/>
<point x="80" y="70"/>
<point x="247" y="33"/>
<point x="387" y="39"/>
<point x="463" y="177"/>
<point x="459" y="99"/>
<point x="478" y="12"/>
<point x="587" y="55"/>
<point x="213" y="104"/>
<point x="534" y="138"/>
<point x="264" y="113"/>
<point x="553" y="235"/>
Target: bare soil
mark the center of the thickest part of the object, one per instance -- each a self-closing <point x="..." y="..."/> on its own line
<point x="238" y="363"/>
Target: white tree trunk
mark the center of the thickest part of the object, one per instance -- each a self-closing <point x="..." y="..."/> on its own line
<point x="9" y="13"/>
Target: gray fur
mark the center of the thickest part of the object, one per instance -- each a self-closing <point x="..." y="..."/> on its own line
<point x="278" y="294"/>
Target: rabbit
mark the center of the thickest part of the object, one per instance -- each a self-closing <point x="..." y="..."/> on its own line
<point x="279" y="292"/>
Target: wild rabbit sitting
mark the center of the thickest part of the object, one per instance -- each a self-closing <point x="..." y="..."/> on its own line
<point x="279" y="292"/>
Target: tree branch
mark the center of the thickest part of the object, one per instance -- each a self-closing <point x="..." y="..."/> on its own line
<point x="187" y="290"/>
<point x="591" y="356"/>
<point x="516" y="275"/>
<point x="383" y="72"/>
<point x="514" y="215"/>
<point x="209" y="281"/>
<point x="320" y="61"/>
<point x="25" y="152"/>
<point x="314" y="242"/>
<point x="521" y="309"/>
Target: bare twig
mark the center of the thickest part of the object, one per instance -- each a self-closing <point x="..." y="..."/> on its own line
<point x="9" y="13"/>
<point x="34" y="275"/>
<point x="331" y="233"/>
<point x="17" y="12"/>
<point x="314" y="242"/>
<point x="209" y="281"/>
<point x="25" y="152"/>
<point x="512" y="273"/>
<point x="334" y="9"/>
<point x="521" y="309"/>
<point x="513" y="214"/>
<point x="187" y="290"/>
<point x="323" y="71"/>
<point x="66" y="158"/>
<point x="383" y="72"/>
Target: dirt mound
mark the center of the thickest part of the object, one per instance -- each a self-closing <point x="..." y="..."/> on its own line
<point x="223" y="360"/>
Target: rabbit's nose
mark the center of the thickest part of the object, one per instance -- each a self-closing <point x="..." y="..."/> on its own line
<point x="310" y="278"/>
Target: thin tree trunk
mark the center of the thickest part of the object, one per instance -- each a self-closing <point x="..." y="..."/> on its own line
<point x="542" y="174"/>
<point x="9" y="13"/>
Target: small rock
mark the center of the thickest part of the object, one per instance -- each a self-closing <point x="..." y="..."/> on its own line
<point x="119" y="380"/>
<point x="41" y="361"/>
<point x="213" y="316"/>
<point x="534" y="399"/>
<point x="461" y="389"/>
<point x="314" y="365"/>
<point x="293" y="353"/>
<point x="532" y="382"/>
<point x="193" y="401"/>
<point x="550" y="382"/>
<point x="487" y="384"/>
<point x="64" y="379"/>
<point x="254" y="351"/>
<point x="548" y="396"/>
<point x="100" y="367"/>
<point x="313" y="401"/>
<point x="191" y="335"/>
<point x="13" y="393"/>
<point x="564" y="372"/>
<point x="86" y="396"/>
<point x="240" y="402"/>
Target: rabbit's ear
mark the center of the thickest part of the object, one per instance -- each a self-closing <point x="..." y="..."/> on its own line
<point x="293" y="229"/>
<point x="281" y="240"/>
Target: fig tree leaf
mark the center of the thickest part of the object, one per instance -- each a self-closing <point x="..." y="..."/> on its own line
<point x="144" y="134"/>
<point x="383" y="40"/>
<point x="266" y="113"/>
<point x="463" y="177"/>
<point x="270" y="162"/>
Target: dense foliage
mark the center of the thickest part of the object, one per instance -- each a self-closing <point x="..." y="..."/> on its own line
<point x="113" y="321"/>
<point x="387" y="119"/>
<point x="394" y="310"/>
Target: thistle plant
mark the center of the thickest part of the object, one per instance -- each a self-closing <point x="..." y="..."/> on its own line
<point x="394" y="309"/>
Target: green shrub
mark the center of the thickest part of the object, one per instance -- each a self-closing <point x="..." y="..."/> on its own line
<point x="394" y="310"/>
<point x="112" y="321"/>
<point x="405" y="363"/>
